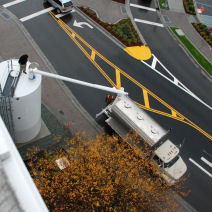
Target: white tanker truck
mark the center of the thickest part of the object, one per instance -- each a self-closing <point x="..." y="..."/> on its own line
<point x="124" y="115"/>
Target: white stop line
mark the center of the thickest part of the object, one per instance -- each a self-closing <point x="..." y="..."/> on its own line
<point x="200" y="167"/>
<point x="12" y="3"/>
<point x="36" y="14"/>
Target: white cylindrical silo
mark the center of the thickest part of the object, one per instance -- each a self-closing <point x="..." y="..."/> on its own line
<point x="26" y="106"/>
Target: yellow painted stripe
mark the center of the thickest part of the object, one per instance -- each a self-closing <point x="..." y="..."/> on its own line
<point x="93" y="55"/>
<point x="73" y="34"/>
<point x="118" y="79"/>
<point x="186" y="121"/>
<point x="84" y="51"/>
<point x="175" y="114"/>
<point x="146" y="98"/>
<point x="139" y="52"/>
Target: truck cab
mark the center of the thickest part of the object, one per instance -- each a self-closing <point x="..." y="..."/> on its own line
<point x="167" y="157"/>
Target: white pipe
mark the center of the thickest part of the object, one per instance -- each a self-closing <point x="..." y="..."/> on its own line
<point x="101" y="87"/>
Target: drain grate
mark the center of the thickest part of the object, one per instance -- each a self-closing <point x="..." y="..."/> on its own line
<point x="4" y="15"/>
<point x="166" y="19"/>
<point x="123" y="10"/>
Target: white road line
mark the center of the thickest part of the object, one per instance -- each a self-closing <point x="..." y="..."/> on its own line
<point x="12" y="3"/>
<point x="175" y="81"/>
<point x="36" y="14"/>
<point x="154" y="62"/>
<point x="206" y="161"/>
<point x="148" y="22"/>
<point x="200" y="167"/>
<point x="143" y="7"/>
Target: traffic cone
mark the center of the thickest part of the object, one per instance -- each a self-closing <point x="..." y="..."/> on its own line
<point x="68" y="124"/>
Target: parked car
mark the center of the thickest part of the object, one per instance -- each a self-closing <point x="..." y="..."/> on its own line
<point x="62" y="6"/>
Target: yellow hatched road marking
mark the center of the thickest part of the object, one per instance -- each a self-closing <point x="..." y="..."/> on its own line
<point x="174" y="114"/>
<point x="73" y="34"/>
<point x="146" y="98"/>
<point x="93" y="55"/>
<point x="185" y="120"/>
<point x="118" y="79"/>
<point x="84" y="51"/>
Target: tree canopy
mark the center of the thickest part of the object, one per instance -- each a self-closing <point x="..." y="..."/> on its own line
<point x="102" y="174"/>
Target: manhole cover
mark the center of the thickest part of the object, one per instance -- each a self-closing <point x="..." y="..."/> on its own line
<point x="5" y="15"/>
<point x="166" y="18"/>
<point x="123" y="10"/>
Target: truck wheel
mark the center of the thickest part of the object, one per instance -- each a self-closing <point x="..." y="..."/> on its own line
<point x="58" y="11"/>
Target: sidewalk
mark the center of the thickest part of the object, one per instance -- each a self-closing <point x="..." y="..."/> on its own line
<point x="178" y="18"/>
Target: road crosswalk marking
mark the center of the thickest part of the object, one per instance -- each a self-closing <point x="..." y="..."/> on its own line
<point x="200" y="167"/>
<point x="12" y="3"/>
<point x="148" y="22"/>
<point x="143" y="7"/>
<point x="26" y="18"/>
<point x="206" y="161"/>
<point x="92" y="54"/>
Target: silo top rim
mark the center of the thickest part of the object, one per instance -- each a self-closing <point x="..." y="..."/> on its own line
<point x="25" y="86"/>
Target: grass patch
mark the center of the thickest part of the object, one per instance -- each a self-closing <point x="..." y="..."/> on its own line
<point x="196" y="54"/>
<point x="162" y="4"/>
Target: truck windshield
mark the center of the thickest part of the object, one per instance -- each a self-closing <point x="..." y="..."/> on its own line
<point x="167" y="165"/>
<point x="68" y="4"/>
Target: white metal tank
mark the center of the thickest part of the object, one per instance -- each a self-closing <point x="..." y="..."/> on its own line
<point x="25" y="102"/>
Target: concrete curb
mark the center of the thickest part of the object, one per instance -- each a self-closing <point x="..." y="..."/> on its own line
<point x="52" y="70"/>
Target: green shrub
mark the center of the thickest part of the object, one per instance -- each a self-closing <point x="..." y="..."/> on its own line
<point x="205" y="37"/>
<point x="189" y="6"/>
<point x="195" y="24"/>
<point x="123" y="30"/>
<point x="108" y="27"/>
<point x="202" y="34"/>
<point x="207" y="40"/>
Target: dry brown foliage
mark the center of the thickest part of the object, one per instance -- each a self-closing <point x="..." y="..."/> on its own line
<point x="104" y="175"/>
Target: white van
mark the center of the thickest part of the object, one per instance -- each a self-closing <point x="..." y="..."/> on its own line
<point x="62" y="6"/>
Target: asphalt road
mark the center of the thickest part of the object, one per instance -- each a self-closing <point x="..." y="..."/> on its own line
<point x="179" y="64"/>
<point x="69" y="60"/>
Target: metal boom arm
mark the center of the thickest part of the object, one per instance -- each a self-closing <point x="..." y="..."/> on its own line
<point x="79" y="82"/>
